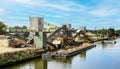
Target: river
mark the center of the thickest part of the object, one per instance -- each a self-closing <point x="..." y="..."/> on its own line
<point x="103" y="56"/>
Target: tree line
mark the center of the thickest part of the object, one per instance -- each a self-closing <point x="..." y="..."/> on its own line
<point x="110" y="32"/>
<point x="3" y="28"/>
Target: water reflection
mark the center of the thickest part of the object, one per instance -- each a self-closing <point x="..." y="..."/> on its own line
<point x="40" y="64"/>
<point x="34" y="64"/>
<point x="68" y="61"/>
<point x="107" y="44"/>
<point x="60" y="63"/>
<point x="83" y="55"/>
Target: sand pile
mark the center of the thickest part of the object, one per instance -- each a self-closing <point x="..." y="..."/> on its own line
<point x="4" y="43"/>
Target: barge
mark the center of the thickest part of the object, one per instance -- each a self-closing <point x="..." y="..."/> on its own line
<point x="68" y="52"/>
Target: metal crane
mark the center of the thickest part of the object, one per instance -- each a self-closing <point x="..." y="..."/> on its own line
<point x="51" y="27"/>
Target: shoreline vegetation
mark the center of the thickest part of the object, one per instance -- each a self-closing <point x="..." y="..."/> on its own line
<point x="10" y="58"/>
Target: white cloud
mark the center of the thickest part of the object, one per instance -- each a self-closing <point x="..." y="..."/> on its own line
<point x="65" y="5"/>
<point x="23" y="1"/>
<point x="116" y="20"/>
<point x="2" y="11"/>
<point x="17" y="18"/>
<point x="104" y="12"/>
<point x="54" y="6"/>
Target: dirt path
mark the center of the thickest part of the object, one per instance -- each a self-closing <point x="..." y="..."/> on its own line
<point x="7" y="49"/>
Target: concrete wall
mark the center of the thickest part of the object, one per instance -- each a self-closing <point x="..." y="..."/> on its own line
<point x="10" y="58"/>
<point x="40" y="40"/>
<point x="36" y="25"/>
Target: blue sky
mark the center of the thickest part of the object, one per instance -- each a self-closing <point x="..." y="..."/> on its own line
<point x="89" y="13"/>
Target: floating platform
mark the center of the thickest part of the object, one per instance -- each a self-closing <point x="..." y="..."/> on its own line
<point x="64" y="53"/>
<point x="79" y="51"/>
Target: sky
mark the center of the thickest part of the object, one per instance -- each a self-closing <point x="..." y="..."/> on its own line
<point x="94" y="14"/>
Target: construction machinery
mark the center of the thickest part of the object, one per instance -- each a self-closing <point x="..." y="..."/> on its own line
<point x="60" y="38"/>
<point x="37" y="25"/>
<point x="51" y="27"/>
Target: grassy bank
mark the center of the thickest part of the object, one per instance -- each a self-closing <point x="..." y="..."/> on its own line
<point x="19" y="56"/>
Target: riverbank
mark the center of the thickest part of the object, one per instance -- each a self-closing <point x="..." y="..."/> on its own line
<point x="18" y="55"/>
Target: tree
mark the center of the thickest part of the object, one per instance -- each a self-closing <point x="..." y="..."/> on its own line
<point x="2" y="28"/>
<point x="117" y="32"/>
<point x="24" y="27"/>
<point x="111" y="32"/>
<point x="104" y="32"/>
<point x="20" y="27"/>
<point x="17" y="27"/>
